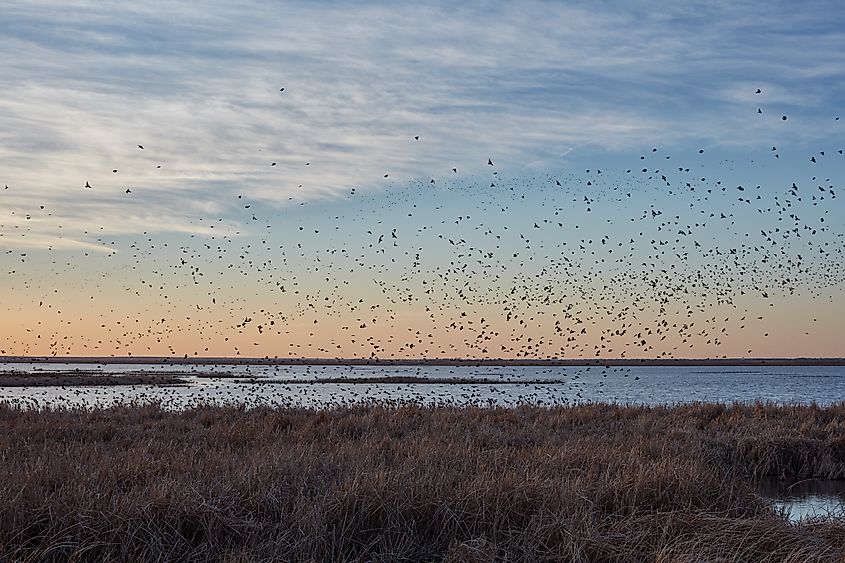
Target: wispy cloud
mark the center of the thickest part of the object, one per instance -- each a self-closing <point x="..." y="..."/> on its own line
<point x="197" y="84"/>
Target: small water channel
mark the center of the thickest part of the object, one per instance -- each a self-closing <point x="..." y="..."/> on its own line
<point x="806" y="499"/>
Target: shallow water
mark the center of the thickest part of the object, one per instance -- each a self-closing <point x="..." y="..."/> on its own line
<point x="641" y="384"/>
<point x="807" y="499"/>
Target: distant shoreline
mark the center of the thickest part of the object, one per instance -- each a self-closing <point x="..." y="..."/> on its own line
<point x="615" y="362"/>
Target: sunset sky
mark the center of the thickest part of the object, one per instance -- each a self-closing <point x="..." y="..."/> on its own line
<point x="620" y="187"/>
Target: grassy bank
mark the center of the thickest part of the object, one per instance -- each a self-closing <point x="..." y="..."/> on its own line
<point x="404" y="380"/>
<point x="587" y="483"/>
<point x="86" y="379"/>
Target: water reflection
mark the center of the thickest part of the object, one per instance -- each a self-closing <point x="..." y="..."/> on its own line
<point x="806" y="499"/>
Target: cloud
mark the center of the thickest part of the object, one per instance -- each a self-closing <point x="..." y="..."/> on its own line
<point x="198" y="86"/>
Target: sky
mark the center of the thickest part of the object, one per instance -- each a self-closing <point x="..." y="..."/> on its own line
<point x="243" y="161"/>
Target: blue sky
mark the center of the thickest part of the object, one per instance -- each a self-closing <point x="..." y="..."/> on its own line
<point x="537" y="85"/>
<point x="547" y="90"/>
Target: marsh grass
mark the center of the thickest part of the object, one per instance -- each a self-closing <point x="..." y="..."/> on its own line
<point x="85" y="379"/>
<point x="585" y="483"/>
<point x="404" y="380"/>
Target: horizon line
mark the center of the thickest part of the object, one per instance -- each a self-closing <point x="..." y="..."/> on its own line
<point x="455" y="361"/>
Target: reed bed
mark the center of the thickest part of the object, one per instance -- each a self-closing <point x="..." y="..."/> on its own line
<point x="402" y="380"/>
<point x="86" y="379"/>
<point x="407" y="483"/>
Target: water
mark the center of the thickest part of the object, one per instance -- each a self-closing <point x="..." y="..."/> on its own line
<point x="567" y="385"/>
<point x="807" y="499"/>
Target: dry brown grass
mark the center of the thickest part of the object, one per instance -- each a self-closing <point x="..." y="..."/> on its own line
<point x="403" y="380"/>
<point x="85" y="379"/>
<point x="586" y="483"/>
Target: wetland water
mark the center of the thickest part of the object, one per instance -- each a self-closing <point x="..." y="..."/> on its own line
<point x="253" y="385"/>
<point x="299" y="385"/>
<point x="807" y="499"/>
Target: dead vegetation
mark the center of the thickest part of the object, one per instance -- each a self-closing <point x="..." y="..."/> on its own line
<point x="586" y="483"/>
<point x="403" y="380"/>
<point x="86" y="379"/>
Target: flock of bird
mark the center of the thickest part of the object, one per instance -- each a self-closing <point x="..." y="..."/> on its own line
<point x="661" y="257"/>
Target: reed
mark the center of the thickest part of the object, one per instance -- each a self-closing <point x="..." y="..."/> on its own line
<point x="594" y="482"/>
<point x="86" y="379"/>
